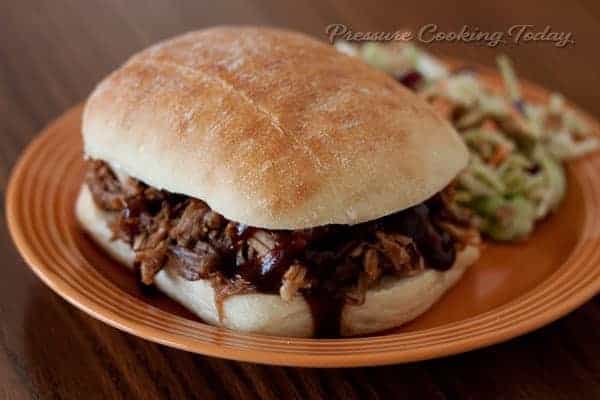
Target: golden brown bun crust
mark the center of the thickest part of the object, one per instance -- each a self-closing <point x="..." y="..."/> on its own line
<point x="390" y="304"/>
<point x="271" y="128"/>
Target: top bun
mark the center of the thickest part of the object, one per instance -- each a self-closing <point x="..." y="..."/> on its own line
<point x="271" y="128"/>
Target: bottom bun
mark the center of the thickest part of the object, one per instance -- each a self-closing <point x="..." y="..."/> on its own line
<point x="393" y="302"/>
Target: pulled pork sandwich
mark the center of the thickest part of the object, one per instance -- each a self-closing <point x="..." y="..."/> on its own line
<point x="271" y="184"/>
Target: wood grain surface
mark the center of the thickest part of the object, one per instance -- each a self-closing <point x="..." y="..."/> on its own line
<point x="52" y="53"/>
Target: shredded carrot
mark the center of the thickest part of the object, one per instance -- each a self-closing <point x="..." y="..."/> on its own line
<point x="500" y="154"/>
<point x="489" y="125"/>
<point x="443" y="107"/>
<point x="516" y="114"/>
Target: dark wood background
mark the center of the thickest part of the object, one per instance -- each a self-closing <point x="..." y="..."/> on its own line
<point x="51" y="54"/>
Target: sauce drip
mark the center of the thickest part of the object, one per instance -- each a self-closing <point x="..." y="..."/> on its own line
<point x="326" y="314"/>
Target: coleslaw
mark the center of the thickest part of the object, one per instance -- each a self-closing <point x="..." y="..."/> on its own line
<point x="515" y="175"/>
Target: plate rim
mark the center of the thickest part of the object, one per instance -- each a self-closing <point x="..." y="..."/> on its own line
<point x="88" y="305"/>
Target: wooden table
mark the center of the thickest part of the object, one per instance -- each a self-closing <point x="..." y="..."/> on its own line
<point x="52" y="53"/>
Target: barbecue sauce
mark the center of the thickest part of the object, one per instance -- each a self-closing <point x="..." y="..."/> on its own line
<point x="326" y="312"/>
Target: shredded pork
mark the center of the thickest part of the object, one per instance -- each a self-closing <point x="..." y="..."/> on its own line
<point x="169" y="230"/>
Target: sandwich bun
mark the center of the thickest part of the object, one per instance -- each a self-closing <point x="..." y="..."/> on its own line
<point x="393" y="302"/>
<point x="271" y="128"/>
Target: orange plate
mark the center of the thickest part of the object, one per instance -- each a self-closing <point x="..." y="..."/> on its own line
<point x="512" y="290"/>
